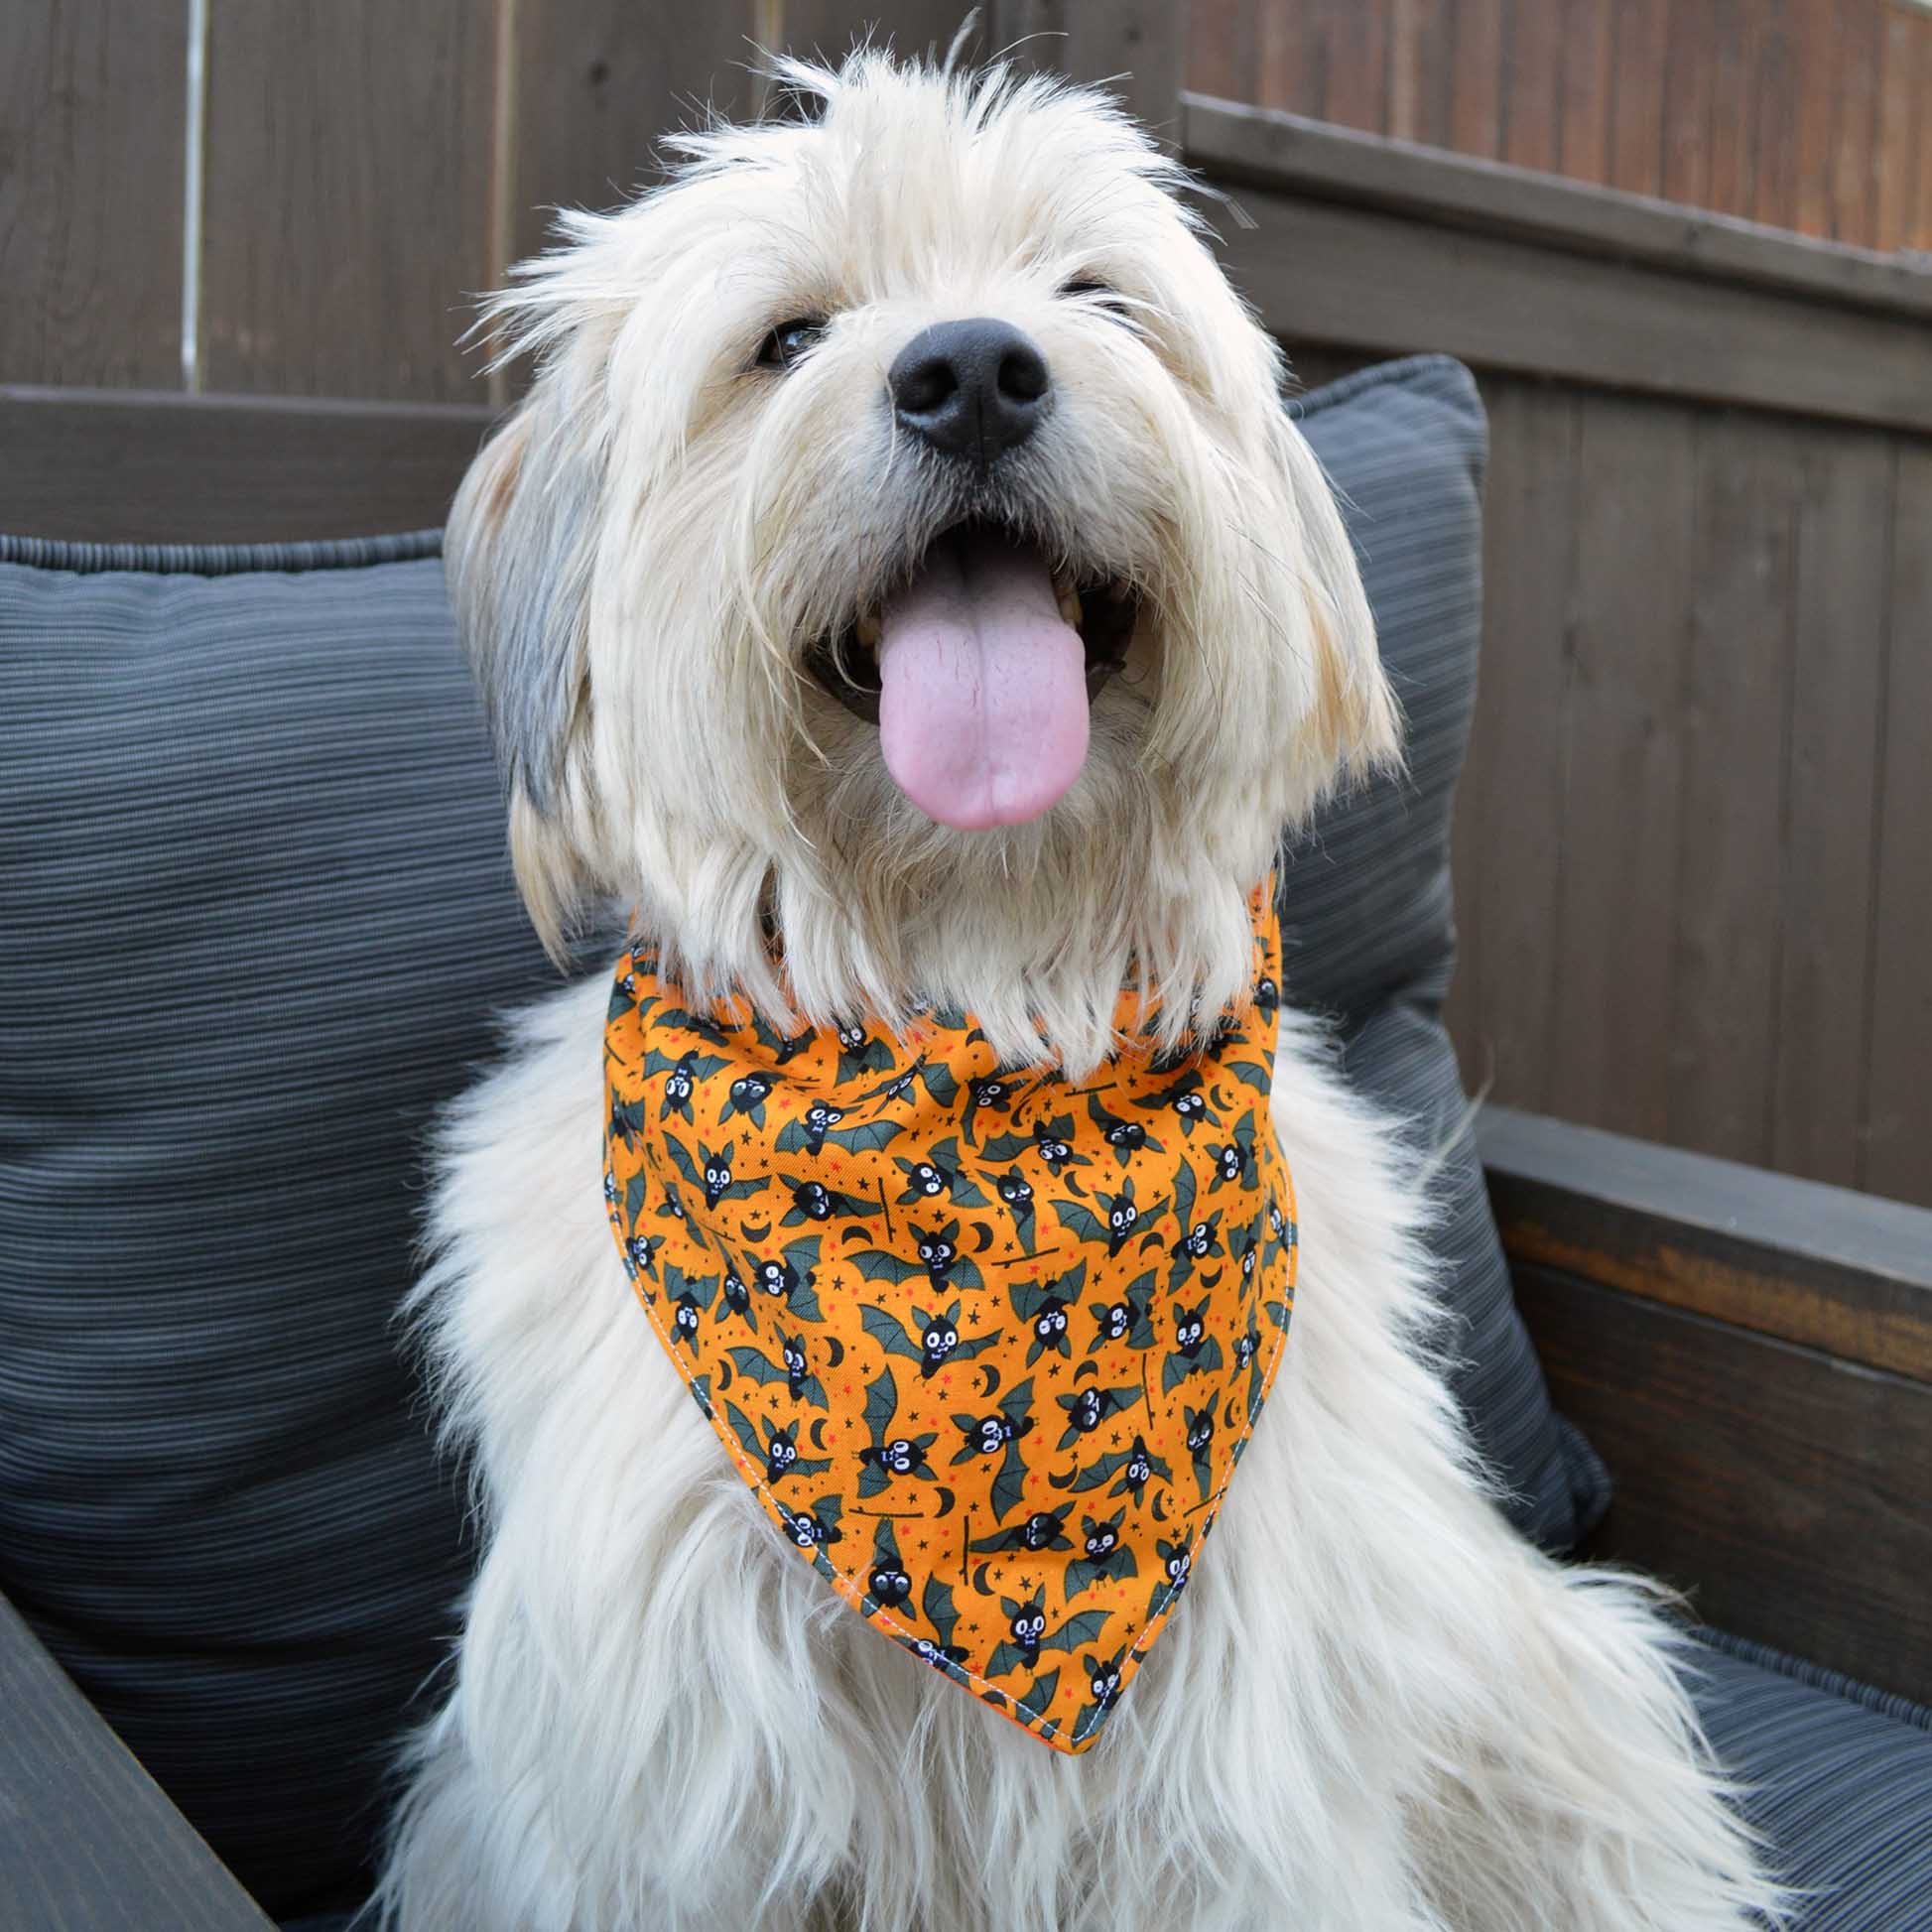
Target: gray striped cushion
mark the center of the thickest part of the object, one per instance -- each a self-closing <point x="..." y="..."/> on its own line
<point x="256" y="921"/>
<point x="1837" y="1778"/>
<point x="256" y="917"/>
<point x="1367" y="927"/>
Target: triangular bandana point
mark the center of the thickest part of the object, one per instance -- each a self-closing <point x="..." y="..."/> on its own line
<point x="986" y="1347"/>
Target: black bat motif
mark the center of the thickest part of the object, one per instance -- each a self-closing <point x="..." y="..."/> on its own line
<point x="1015" y="1192"/>
<point x="1043" y="1306"/>
<point x="1125" y="1320"/>
<point x="778" y="1452"/>
<point x="1124" y="1217"/>
<point x="939" y="1260"/>
<point x="689" y="1298"/>
<point x="682" y="1076"/>
<point x="1045" y="1529"/>
<point x="1052" y="1141"/>
<point x="1104" y="1555"/>
<point x="795" y="1373"/>
<point x="888" y="1455"/>
<point x="1135" y="1467"/>
<point x="1087" y="1408"/>
<point x="995" y="1094"/>
<point x="789" y="1277"/>
<point x="939" y="1173"/>
<point x="1126" y="1137"/>
<point x="1028" y="1635"/>
<point x="1195" y="1352"/>
<point x="813" y="1201"/>
<point x="748" y="1096"/>
<point x="706" y="1026"/>
<point x="944" y="1654"/>
<point x="887" y="1583"/>
<point x="1186" y="1098"/>
<point x="1200" y="1446"/>
<point x="935" y="1343"/>
<point x="777" y="1045"/>
<point x="999" y="1434"/>
<point x="821" y="1123"/>
<point x="1102" y="1690"/>
<point x="1235" y="1161"/>
<point x="860" y="1053"/>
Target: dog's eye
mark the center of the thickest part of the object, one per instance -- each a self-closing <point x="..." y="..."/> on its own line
<point x="788" y="341"/>
<point x="1103" y="292"/>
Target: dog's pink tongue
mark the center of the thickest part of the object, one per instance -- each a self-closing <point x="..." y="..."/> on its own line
<point x="982" y="699"/>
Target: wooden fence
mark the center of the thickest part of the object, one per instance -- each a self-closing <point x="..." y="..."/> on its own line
<point x="1694" y="843"/>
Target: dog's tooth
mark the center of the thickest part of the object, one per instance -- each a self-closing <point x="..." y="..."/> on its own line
<point x="870" y="632"/>
<point x="1070" y="607"/>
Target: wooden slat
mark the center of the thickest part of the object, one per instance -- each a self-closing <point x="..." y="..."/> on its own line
<point x="597" y="82"/>
<point x="1842" y="597"/>
<point x="1531" y="134"/>
<point x="1421" y="70"/>
<point x="1735" y="706"/>
<point x="120" y="465"/>
<point x="1622" y="755"/>
<point x="1690" y="71"/>
<point x="1356" y="276"/>
<point x="1224" y="47"/>
<point x="1139" y="46"/>
<point x="1819" y="32"/>
<point x="347" y="196"/>
<point x="1796" y="1261"/>
<point x="87" y="1838"/>
<point x="91" y="147"/>
<point x="1476" y="118"/>
<point x="1732" y="125"/>
<point x="1853" y="188"/>
<point x="1350" y="53"/>
<point x="1905" y="106"/>
<point x="1587" y="57"/>
<point x="1510" y="829"/>
<point x="1779" y="1488"/>
<point x="1774" y="111"/>
<point x="1642" y="60"/>
<point x="1898" y="1053"/>
<point x="1295" y="155"/>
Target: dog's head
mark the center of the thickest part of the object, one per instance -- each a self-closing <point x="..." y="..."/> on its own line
<point x="901" y="581"/>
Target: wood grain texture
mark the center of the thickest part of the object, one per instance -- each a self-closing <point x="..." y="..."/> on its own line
<point x="1733" y="714"/>
<point x="1621" y="726"/>
<point x="598" y="84"/>
<point x="1138" y="48"/>
<point x="832" y="27"/>
<point x="1796" y="1261"/>
<point x="1800" y="113"/>
<point x="1373" y="280"/>
<point x="1510" y="829"/>
<point x="348" y="195"/>
<point x="1779" y="1487"/>
<point x="87" y="1840"/>
<point x="92" y="146"/>
<point x="1897" y="1154"/>
<point x="1290" y="152"/>
<point x="1841" y="606"/>
<point x="119" y="465"/>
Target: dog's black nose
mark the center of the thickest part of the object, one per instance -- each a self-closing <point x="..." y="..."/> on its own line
<point x="972" y="388"/>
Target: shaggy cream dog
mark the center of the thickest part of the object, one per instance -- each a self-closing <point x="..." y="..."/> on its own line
<point x="1377" y="1709"/>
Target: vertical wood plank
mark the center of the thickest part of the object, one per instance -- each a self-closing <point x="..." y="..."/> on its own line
<point x="1733" y="126"/>
<point x="1587" y="65"/>
<point x="1854" y="186"/>
<point x="1475" y="108"/>
<point x="1842" y="601"/>
<point x="1736" y="712"/>
<point x="1140" y="46"/>
<point x="1636" y="140"/>
<point x="1509" y="833"/>
<point x="347" y="196"/>
<point x="1224" y="48"/>
<point x="1421" y="70"/>
<point x="1533" y="71"/>
<point x="1353" y="56"/>
<point x="1688" y="73"/>
<point x="92" y="106"/>
<point x="1819" y="31"/>
<point x="598" y="81"/>
<point x="1899" y="1057"/>
<point x="1904" y="107"/>
<point x="1774" y="108"/>
<point x="1919" y="233"/>
<point x="1621" y="728"/>
<point x="1281" y="52"/>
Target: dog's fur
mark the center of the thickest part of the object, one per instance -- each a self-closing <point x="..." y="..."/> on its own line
<point x="1399" y="1715"/>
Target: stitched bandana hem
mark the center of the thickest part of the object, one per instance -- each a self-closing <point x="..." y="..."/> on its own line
<point x="985" y="1345"/>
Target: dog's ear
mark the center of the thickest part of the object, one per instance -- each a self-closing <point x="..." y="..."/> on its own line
<point x="518" y="555"/>
<point x="1356" y="726"/>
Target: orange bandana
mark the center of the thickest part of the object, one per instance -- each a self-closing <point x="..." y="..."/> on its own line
<point x="986" y="1347"/>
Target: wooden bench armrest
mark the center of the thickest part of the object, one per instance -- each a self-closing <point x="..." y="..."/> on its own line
<point x="1751" y="1356"/>
<point x="87" y="1838"/>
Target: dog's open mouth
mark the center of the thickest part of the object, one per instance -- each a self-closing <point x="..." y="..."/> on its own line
<point x="978" y="672"/>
